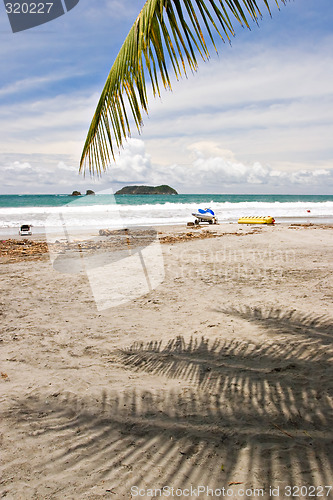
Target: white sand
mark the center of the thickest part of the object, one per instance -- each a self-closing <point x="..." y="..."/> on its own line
<point x="220" y="375"/>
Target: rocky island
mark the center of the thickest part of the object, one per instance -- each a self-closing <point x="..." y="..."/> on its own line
<point x="89" y="192"/>
<point x="164" y="189"/>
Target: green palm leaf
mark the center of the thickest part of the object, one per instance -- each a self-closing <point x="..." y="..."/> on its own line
<point x="166" y="34"/>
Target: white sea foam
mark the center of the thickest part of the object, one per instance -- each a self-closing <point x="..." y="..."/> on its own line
<point x="116" y="215"/>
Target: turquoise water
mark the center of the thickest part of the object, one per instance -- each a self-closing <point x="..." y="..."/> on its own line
<point x="58" y="200"/>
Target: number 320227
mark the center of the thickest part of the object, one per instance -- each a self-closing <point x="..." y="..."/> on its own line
<point x="28" y="8"/>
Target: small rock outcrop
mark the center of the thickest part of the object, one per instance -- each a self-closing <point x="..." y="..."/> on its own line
<point x="76" y="193"/>
<point x="89" y="192"/>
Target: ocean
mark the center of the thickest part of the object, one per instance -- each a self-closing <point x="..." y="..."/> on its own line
<point x="49" y="212"/>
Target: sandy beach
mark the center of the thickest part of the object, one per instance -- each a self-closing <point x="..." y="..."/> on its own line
<point x="219" y="377"/>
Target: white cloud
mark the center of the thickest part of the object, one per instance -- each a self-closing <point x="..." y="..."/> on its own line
<point x="34" y="177"/>
<point x="133" y="164"/>
<point x="29" y="83"/>
<point x="55" y="125"/>
<point x="211" y="169"/>
<point x="269" y="105"/>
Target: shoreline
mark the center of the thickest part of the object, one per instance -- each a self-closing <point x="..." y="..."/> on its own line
<point x="38" y="246"/>
<point x="40" y="233"/>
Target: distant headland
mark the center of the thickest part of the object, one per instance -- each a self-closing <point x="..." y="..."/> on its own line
<point x="147" y="190"/>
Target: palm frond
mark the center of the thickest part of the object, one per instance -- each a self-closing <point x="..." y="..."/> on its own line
<point x="166" y="34"/>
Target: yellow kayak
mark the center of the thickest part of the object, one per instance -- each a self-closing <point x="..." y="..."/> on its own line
<point x="256" y="220"/>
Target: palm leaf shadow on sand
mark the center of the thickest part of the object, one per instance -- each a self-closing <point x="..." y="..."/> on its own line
<point x="182" y="439"/>
<point x="259" y="410"/>
<point x="290" y="322"/>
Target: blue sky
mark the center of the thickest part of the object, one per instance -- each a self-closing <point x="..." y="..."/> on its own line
<point x="257" y="118"/>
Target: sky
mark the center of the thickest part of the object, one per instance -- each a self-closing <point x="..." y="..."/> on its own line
<point x="257" y="118"/>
